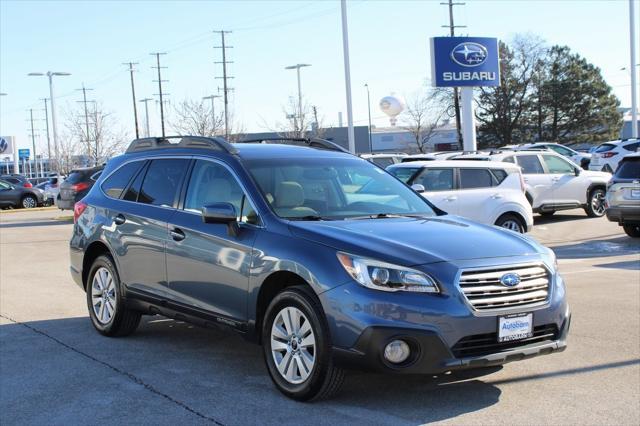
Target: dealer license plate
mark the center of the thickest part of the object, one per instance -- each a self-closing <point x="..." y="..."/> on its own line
<point x="635" y="193"/>
<point x="515" y="327"/>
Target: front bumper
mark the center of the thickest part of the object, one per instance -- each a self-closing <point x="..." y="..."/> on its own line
<point x="624" y="215"/>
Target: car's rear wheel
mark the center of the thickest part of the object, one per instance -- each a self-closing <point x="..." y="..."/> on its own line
<point x="595" y="203"/>
<point x="29" y="202"/>
<point x="511" y="222"/>
<point x="296" y="346"/>
<point x="107" y="309"/>
<point x="632" y="230"/>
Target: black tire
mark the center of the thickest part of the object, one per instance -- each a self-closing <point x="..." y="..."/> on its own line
<point x="632" y="230"/>
<point x="123" y="321"/>
<point x="548" y="213"/>
<point x="325" y="379"/>
<point x="595" y="203"/>
<point x="511" y="222"/>
<point x="28" y="202"/>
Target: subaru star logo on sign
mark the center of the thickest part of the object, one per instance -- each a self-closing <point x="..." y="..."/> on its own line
<point x="6" y="145"/>
<point x="465" y="61"/>
<point x="510" y="280"/>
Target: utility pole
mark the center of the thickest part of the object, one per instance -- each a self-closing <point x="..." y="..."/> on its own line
<point x="632" y="37"/>
<point x="160" y="81"/>
<point x="315" y="118"/>
<point x="133" y="94"/>
<point x="33" y="142"/>
<point x="369" y="109"/>
<point x="46" y="119"/>
<point x="213" y="110"/>
<point x="224" y="78"/>
<point x="146" y="114"/>
<point x="347" y="76"/>
<point x="456" y="100"/>
<point x="86" y="119"/>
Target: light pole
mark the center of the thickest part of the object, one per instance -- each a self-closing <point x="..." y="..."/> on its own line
<point x="297" y="68"/>
<point x="146" y="115"/>
<point x="369" y="108"/>
<point x="50" y="74"/>
<point x="347" y="76"/>
<point x="213" y="110"/>
<point x="632" y="48"/>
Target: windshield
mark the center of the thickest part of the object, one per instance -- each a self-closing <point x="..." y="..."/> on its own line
<point x="333" y="188"/>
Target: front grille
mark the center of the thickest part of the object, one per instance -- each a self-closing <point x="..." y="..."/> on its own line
<point x="485" y="344"/>
<point x="483" y="289"/>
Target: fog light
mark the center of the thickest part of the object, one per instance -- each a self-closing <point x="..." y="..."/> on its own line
<point x="397" y="351"/>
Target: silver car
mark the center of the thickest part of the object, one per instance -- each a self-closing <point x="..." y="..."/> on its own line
<point x="623" y="195"/>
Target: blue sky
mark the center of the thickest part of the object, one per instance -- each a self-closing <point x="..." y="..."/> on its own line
<point x="388" y="43"/>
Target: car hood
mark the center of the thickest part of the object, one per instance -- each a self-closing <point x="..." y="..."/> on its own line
<point x="409" y="241"/>
<point x="603" y="176"/>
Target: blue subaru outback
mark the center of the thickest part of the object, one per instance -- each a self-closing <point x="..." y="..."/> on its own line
<point x="321" y="257"/>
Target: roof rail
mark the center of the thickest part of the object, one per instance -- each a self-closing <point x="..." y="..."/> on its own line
<point x="310" y="142"/>
<point x="215" y="143"/>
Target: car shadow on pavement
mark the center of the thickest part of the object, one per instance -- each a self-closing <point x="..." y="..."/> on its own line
<point x="205" y="371"/>
<point x="618" y="246"/>
<point x="543" y="220"/>
<point x="632" y="265"/>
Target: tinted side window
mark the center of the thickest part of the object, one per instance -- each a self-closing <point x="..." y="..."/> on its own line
<point x="509" y="160"/>
<point x="530" y="164"/>
<point x="475" y="178"/>
<point x="213" y="183"/>
<point x="134" y="188"/>
<point x="118" y="180"/>
<point x="162" y="181"/>
<point x="558" y="165"/>
<point x="605" y="147"/>
<point x="499" y="175"/>
<point x="632" y="147"/>
<point x="383" y="162"/>
<point x="435" y="179"/>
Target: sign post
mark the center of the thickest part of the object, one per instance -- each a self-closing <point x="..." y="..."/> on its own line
<point x="465" y="62"/>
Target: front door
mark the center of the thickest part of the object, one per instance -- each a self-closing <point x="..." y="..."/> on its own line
<point x="567" y="187"/>
<point x="207" y="266"/>
<point x="538" y="182"/>
<point x="9" y="196"/>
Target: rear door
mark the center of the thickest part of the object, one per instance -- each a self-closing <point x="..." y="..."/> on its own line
<point x="9" y="196"/>
<point x="538" y="182"/>
<point x="477" y="199"/>
<point x="140" y="218"/>
<point x="440" y="187"/>
<point x="208" y="268"/>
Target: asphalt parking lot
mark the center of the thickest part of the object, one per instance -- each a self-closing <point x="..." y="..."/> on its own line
<point x="55" y="369"/>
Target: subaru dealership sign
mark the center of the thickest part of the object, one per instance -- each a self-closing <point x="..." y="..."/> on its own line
<point x="465" y="61"/>
<point x="6" y="145"/>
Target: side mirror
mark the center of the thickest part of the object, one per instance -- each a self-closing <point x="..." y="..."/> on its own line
<point x="577" y="171"/>
<point x="417" y="187"/>
<point x="221" y="213"/>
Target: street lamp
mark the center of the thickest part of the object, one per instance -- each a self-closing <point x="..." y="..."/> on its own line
<point x="369" y="108"/>
<point x="297" y="68"/>
<point x="213" y="109"/>
<point x="50" y="74"/>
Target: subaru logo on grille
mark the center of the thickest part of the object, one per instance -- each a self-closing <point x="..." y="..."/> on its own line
<point x="510" y="280"/>
<point x="469" y="54"/>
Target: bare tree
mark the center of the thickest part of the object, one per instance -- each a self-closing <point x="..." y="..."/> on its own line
<point x="196" y="118"/>
<point x="296" y="124"/>
<point x="424" y="114"/>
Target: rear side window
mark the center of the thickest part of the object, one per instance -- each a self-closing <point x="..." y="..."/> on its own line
<point x="475" y="178"/>
<point x="530" y="164"/>
<point x="75" y="177"/>
<point x="605" y="147"/>
<point x="134" y="189"/>
<point x="118" y="180"/>
<point x="436" y="179"/>
<point x="162" y="181"/>
<point x="629" y="170"/>
<point x="633" y="147"/>
<point x="382" y="162"/>
<point x="499" y="175"/>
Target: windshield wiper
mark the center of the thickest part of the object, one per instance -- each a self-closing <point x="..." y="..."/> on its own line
<point x="310" y="217"/>
<point x="386" y="216"/>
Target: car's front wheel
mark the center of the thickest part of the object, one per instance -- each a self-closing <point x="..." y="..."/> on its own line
<point x="29" y="202"/>
<point x="511" y="222"/>
<point x="632" y="230"/>
<point x="595" y="203"/>
<point x="296" y="346"/>
<point x="107" y="309"/>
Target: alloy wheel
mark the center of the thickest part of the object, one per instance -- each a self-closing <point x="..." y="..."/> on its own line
<point x="293" y="345"/>
<point x="103" y="295"/>
<point x="511" y="225"/>
<point x="597" y="202"/>
<point x="28" y="202"/>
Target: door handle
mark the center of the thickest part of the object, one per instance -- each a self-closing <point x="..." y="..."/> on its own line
<point x="177" y="234"/>
<point x="451" y="198"/>
<point x="496" y="196"/>
<point x="119" y="219"/>
<point x="555" y="179"/>
<point x="526" y="179"/>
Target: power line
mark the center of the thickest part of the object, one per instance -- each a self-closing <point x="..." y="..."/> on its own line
<point x="133" y="95"/>
<point x="160" y="81"/>
<point x="456" y="100"/>
<point x="86" y="119"/>
<point x="224" y="78"/>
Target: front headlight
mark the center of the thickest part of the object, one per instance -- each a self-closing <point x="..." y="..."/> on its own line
<point x="385" y="276"/>
<point x="552" y="259"/>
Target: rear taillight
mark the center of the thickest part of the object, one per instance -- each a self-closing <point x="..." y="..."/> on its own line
<point x="78" y="209"/>
<point x="28" y="185"/>
<point x="522" y="186"/>
<point x="79" y="187"/>
<point x="608" y="154"/>
<point x="54" y="185"/>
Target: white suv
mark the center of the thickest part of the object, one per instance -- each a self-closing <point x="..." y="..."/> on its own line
<point x="489" y="192"/>
<point x="555" y="183"/>
<point x="607" y="156"/>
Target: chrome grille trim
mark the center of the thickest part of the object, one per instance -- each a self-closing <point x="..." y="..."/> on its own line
<point x="484" y="292"/>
